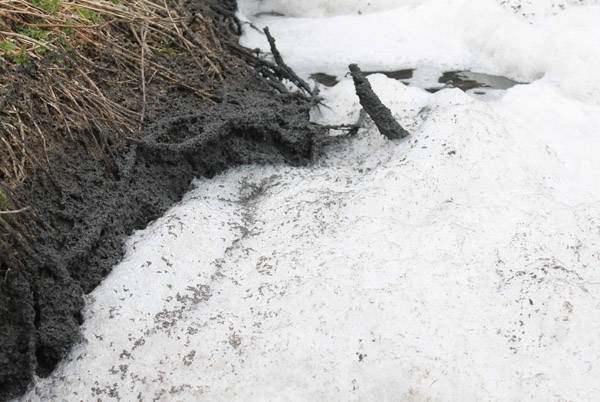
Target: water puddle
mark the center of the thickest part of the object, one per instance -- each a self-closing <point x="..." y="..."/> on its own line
<point x="269" y="14"/>
<point x="331" y="80"/>
<point x="325" y="79"/>
<point x="400" y="75"/>
<point x="468" y="81"/>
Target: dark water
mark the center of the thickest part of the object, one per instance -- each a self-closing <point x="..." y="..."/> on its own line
<point x="396" y="75"/>
<point x="332" y="80"/>
<point x="464" y="80"/>
<point x="467" y="80"/>
<point x="269" y="14"/>
<point x="325" y="79"/>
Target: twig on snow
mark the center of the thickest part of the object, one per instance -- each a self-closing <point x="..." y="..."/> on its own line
<point x="381" y="115"/>
<point x="287" y="70"/>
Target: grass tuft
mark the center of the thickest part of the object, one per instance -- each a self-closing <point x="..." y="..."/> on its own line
<point x="3" y="200"/>
<point x="75" y="73"/>
<point x="66" y="45"/>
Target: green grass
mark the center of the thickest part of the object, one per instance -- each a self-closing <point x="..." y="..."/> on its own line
<point x="40" y="29"/>
<point x="3" y="201"/>
<point x="49" y="6"/>
<point x="10" y="52"/>
<point x="90" y="15"/>
<point x="35" y="33"/>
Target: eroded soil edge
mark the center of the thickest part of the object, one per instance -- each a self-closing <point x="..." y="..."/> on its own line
<point x="89" y="210"/>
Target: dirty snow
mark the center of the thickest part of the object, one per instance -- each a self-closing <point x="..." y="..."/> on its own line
<point x="460" y="264"/>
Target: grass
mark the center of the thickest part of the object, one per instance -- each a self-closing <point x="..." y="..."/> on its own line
<point x="65" y="45"/>
<point x="3" y="201"/>
<point x="60" y="64"/>
<point x="33" y="27"/>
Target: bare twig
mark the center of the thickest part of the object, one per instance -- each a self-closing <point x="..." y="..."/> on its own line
<point x="300" y="83"/>
<point x="143" y="77"/>
<point x="16" y="211"/>
<point x="381" y="115"/>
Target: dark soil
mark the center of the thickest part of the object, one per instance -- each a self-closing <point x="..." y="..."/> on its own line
<point x="89" y="206"/>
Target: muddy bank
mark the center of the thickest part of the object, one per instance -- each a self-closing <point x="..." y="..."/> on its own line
<point x="88" y="208"/>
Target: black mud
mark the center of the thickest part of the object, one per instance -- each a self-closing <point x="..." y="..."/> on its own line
<point x="89" y="209"/>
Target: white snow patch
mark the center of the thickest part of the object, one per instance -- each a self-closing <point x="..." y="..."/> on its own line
<point x="461" y="263"/>
<point x="477" y="35"/>
<point x="532" y="9"/>
<point x="319" y="8"/>
<point x="324" y="8"/>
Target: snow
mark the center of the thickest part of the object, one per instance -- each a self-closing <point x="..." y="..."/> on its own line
<point x="323" y="8"/>
<point x="319" y="8"/>
<point x="462" y="263"/>
<point x="450" y="35"/>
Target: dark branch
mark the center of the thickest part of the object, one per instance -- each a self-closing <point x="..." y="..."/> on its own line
<point x="381" y="115"/>
<point x="284" y="67"/>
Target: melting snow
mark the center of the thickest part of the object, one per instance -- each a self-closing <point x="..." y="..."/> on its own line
<point x="461" y="263"/>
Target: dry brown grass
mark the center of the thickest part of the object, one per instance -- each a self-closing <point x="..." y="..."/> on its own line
<point x="56" y="55"/>
<point x="80" y="73"/>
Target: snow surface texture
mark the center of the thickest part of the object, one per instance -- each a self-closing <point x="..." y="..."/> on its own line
<point x="462" y="263"/>
<point x="479" y="35"/>
<point x="321" y="8"/>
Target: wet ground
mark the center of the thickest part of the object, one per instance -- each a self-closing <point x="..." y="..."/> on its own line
<point x="468" y="80"/>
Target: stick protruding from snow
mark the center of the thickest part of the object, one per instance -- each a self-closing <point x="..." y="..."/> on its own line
<point x="300" y="83"/>
<point x="381" y="115"/>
